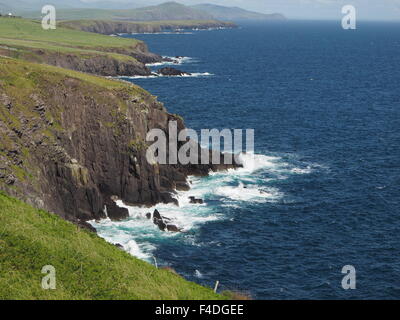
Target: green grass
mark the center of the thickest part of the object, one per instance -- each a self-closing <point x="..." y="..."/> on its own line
<point x="29" y="30"/>
<point x="87" y="267"/>
<point x="19" y="74"/>
<point x="21" y="38"/>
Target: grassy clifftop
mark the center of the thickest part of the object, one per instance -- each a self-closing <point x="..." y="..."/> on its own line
<point x="73" y="49"/>
<point x="86" y="266"/>
<point x="30" y="30"/>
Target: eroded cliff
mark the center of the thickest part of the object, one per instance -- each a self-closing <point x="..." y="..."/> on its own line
<point x="70" y="142"/>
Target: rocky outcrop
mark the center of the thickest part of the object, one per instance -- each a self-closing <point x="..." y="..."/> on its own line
<point x="164" y="223"/>
<point x="170" y="72"/>
<point x="193" y="200"/>
<point x="115" y="212"/>
<point x="71" y="143"/>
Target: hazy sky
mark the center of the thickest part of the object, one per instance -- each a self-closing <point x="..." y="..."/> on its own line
<point x="306" y="9"/>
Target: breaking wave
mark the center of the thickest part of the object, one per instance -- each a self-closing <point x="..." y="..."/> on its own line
<point x="139" y="236"/>
<point x="173" y="61"/>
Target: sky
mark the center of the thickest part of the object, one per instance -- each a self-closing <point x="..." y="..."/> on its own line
<point x="301" y="9"/>
<point x="317" y="9"/>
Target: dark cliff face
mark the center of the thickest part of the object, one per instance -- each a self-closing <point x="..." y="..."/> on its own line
<point x="71" y="142"/>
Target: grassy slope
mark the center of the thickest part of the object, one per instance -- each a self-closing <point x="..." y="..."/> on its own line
<point x="13" y="71"/>
<point x="87" y="267"/>
<point x="28" y="30"/>
<point x="25" y="35"/>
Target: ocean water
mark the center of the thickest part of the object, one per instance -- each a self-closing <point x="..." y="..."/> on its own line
<point x="325" y="191"/>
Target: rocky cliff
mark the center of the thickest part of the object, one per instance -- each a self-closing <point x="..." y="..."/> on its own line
<point x="108" y="62"/>
<point x="71" y="142"/>
<point x="109" y="27"/>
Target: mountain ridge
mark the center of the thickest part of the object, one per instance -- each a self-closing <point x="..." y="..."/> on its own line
<point x="165" y="11"/>
<point x="236" y="13"/>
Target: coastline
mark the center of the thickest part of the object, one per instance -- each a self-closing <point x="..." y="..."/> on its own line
<point x="110" y="27"/>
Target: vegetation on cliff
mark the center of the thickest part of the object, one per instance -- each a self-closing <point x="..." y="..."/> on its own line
<point x="70" y="144"/>
<point x="72" y="49"/>
<point x="87" y="267"/>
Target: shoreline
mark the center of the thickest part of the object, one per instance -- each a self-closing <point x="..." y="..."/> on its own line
<point x="114" y="27"/>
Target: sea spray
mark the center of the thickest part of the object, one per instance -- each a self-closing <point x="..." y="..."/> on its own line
<point x="140" y="236"/>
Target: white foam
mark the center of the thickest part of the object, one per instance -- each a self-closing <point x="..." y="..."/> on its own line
<point x="174" y="61"/>
<point x="133" y="248"/>
<point x="165" y="32"/>
<point x="253" y="162"/>
<point x="248" y="184"/>
<point x="248" y="193"/>
<point x="306" y="170"/>
<point x="156" y="75"/>
<point x="198" y="274"/>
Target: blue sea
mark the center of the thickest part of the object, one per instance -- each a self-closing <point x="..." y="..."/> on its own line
<point x="325" y="188"/>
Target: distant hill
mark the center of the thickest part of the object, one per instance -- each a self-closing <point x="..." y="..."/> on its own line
<point x="235" y="13"/>
<point x="19" y="6"/>
<point x="166" y="11"/>
<point x="106" y="10"/>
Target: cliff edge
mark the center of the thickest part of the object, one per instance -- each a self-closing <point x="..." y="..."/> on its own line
<point x="71" y="142"/>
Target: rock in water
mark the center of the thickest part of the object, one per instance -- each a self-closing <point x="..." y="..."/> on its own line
<point x="168" y="71"/>
<point x="157" y="215"/>
<point x="158" y="220"/>
<point x="193" y="200"/>
<point x="116" y="213"/>
<point x="163" y="223"/>
<point x="173" y="228"/>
